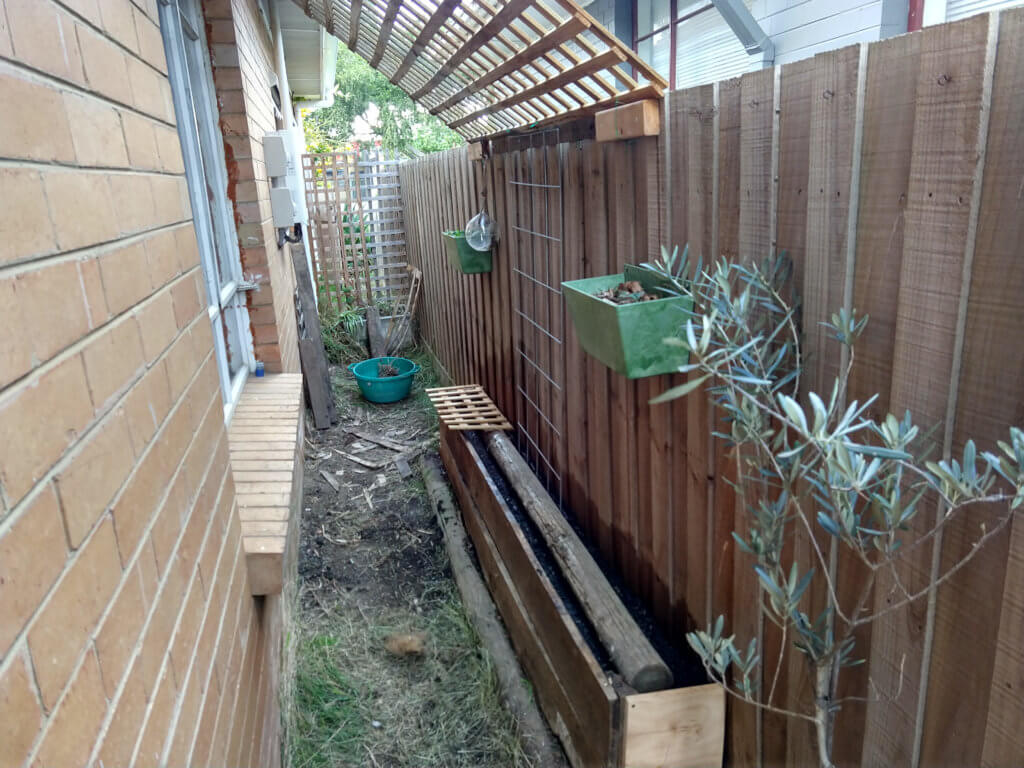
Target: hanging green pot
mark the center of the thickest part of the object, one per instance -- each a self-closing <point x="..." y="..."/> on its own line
<point x="464" y="257"/>
<point x="628" y="338"/>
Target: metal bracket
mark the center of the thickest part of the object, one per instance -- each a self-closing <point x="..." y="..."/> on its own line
<point x="746" y="29"/>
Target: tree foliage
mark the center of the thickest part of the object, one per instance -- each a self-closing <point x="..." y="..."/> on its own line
<point x="816" y="466"/>
<point x="399" y="125"/>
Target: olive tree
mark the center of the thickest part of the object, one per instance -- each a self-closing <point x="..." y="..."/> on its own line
<point x="814" y="463"/>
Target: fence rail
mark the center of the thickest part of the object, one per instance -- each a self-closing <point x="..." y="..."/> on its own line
<point x="891" y="174"/>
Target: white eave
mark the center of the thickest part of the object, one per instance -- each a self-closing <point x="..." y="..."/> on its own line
<point x="310" y="55"/>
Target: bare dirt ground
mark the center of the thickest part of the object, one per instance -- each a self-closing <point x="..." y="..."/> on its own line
<point x="389" y="672"/>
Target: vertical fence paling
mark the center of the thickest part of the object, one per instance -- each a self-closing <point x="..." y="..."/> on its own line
<point x="916" y="232"/>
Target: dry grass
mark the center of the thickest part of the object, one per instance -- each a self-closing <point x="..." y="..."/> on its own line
<point x="359" y="704"/>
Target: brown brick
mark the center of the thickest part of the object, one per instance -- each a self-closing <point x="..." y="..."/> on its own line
<point x="156" y="322"/>
<point x="167" y="526"/>
<point x="162" y="256"/>
<point x="6" y="48"/>
<point x="95" y="301"/>
<point x="40" y="291"/>
<point x="171" y="196"/>
<point x="117" y="19"/>
<point x="134" y="508"/>
<point x="112" y="359"/>
<point x="106" y="67"/>
<point x="146" y="406"/>
<point x="62" y="630"/>
<point x="16" y="340"/>
<point x="25" y="227"/>
<point x="150" y="577"/>
<point x="140" y="141"/>
<point x="155" y="734"/>
<point x="44" y="38"/>
<point x="202" y="337"/>
<point x="158" y="634"/>
<point x="181" y="365"/>
<point x="86" y="8"/>
<point x="169" y="148"/>
<point x="185" y="295"/>
<point x="146" y="88"/>
<point x="96" y="131"/>
<point x="119" y="742"/>
<point x="73" y="729"/>
<point x="20" y="715"/>
<point x="187" y="245"/>
<point x="80" y="207"/>
<point x="32" y="555"/>
<point x="29" y="446"/>
<point x="96" y="471"/>
<point x="39" y="133"/>
<point x="189" y="623"/>
<point x="185" y="727"/>
<point x="207" y="724"/>
<point x="132" y="194"/>
<point x="148" y="7"/>
<point x="151" y="45"/>
<point x="116" y="639"/>
<point x="125" y="274"/>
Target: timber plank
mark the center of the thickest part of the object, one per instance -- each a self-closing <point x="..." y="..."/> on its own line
<point x="935" y="237"/>
<point x="969" y="666"/>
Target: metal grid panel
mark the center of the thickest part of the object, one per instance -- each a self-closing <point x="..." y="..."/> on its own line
<point x="535" y="182"/>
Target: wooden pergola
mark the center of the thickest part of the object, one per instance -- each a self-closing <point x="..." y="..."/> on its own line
<point x="491" y="67"/>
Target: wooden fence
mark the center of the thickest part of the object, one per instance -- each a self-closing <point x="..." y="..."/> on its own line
<point x="356" y="226"/>
<point x="892" y="175"/>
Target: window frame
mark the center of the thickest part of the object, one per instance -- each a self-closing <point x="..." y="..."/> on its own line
<point x="195" y="108"/>
<point x="672" y="26"/>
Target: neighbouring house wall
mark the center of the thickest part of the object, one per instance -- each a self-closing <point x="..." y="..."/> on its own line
<point x="243" y="60"/>
<point x="127" y="631"/>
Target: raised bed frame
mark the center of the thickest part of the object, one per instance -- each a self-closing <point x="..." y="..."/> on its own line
<point x="600" y="721"/>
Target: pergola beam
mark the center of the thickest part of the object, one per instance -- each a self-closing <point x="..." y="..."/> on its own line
<point x="488" y="31"/>
<point x="353" y="23"/>
<point x="385" y="31"/>
<point x="419" y="45"/>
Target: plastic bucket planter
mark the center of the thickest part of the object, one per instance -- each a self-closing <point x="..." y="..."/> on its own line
<point x="384" y="389"/>
<point x="628" y="338"/>
<point x="463" y="256"/>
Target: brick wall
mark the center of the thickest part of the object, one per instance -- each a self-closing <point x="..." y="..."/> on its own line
<point x="127" y="633"/>
<point x="243" y="58"/>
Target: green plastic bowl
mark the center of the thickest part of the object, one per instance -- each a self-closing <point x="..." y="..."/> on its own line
<point x="386" y="389"/>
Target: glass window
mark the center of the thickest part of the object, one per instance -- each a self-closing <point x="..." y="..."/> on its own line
<point x="188" y="65"/>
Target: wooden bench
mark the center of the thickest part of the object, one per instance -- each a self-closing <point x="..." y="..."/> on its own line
<point x="265" y="435"/>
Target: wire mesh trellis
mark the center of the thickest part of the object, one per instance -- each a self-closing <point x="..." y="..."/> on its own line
<point x="535" y="183"/>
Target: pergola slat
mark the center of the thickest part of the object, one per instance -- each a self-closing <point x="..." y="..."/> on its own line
<point x="567" y="31"/>
<point x="603" y="61"/>
<point x="490" y="67"/>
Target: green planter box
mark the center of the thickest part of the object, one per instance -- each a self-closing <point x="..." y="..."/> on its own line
<point x="628" y="337"/>
<point x="463" y="257"/>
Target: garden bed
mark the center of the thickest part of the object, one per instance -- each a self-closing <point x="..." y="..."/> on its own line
<point x="599" y="718"/>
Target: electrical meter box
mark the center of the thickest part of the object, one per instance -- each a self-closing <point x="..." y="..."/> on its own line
<point x="278" y="154"/>
<point x="281" y="153"/>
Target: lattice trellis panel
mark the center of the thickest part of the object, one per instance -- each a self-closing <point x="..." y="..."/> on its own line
<point x="488" y="67"/>
<point x="356" y="226"/>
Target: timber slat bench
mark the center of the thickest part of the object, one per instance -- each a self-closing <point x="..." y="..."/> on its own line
<point x="266" y="465"/>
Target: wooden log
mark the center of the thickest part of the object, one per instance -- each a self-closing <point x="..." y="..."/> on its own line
<point x="536" y="738"/>
<point x="632" y="652"/>
<point x="630" y="121"/>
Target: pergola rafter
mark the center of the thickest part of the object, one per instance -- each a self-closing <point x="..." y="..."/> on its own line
<point x="490" y="67"/>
